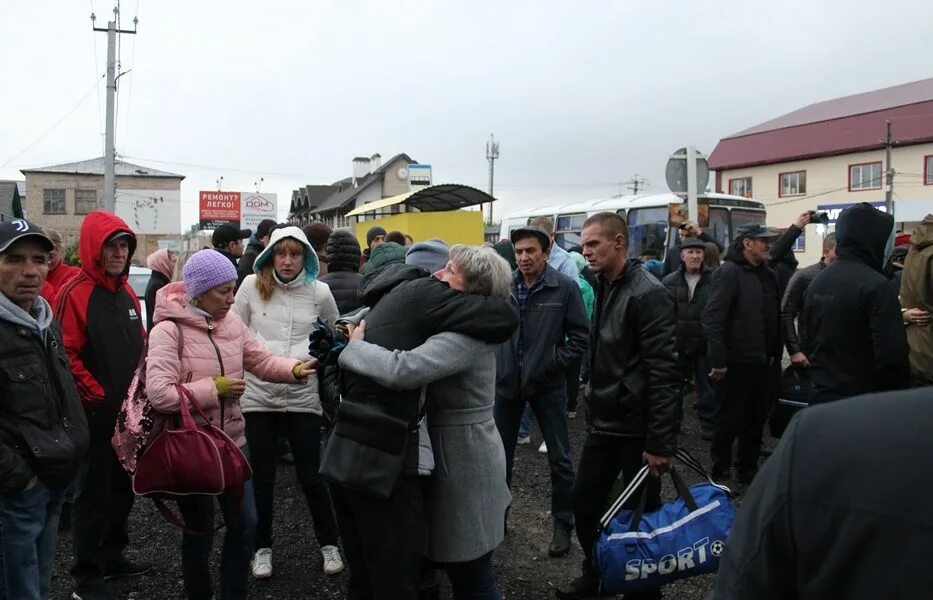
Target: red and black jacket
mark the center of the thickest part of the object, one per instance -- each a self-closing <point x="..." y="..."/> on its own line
<point x="103" y="331"/>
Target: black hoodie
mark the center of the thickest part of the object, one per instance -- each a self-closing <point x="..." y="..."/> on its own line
<point x="852" y="316"/>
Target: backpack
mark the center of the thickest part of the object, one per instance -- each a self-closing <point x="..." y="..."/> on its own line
<point x="133" y="430"/>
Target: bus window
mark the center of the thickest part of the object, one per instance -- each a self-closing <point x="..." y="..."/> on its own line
<point x="647" y="229"/>
<point x="744" y="217"/>
<point x="568" y="230"/>
<point x="718" y="227"/>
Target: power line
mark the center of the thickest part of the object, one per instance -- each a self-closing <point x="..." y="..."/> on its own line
<point x="52" y="128"/>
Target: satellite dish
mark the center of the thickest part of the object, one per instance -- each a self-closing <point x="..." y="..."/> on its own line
<point x="676" y="172"/>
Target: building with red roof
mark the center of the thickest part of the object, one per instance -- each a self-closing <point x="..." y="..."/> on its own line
<point x="831" y="154"/>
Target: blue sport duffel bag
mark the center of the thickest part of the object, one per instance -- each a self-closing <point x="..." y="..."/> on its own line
<point x="639" y="551"/>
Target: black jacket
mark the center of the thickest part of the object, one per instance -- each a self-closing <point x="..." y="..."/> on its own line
<point x="345" y="286"/>
<point x="852" y="315"/>
<point x="742" y="316"/>
<point x="690" y="337"/>
<point x="157" y="281"/>
<point x="795" y="334"/>
<point x="634" y="382"/>
<point x="841" y="509"/>
<point x="553" y="333"/>
<point x="43" y="431"/>
<point x="244" y="266"/>
<point x="783" y="260"/>
<point x="672" y="258"/>
<point x="408" y="307"/>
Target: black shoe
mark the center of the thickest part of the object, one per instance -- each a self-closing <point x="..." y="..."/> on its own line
<point x="720" y="472"/>
<point x="101" y="593"/>
<point x="64" y="519"/>
<point x="707" y="434"/>
<point x="765" y="452"/>
<point x="125" y="567"/>
<point x="584" y="586"/>
<point x="560" y="542"/>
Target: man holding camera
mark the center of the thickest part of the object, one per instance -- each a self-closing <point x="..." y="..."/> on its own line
<point x="687" y="229"/>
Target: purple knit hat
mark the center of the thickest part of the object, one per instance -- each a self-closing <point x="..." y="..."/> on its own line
<point x="206" y="269"/>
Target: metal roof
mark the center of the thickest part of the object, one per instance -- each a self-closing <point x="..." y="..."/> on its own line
<point x="435" y="198"/>
<point x="344" y="196"/>
<point x="95" y="166"/>
<point x="841" y="126"/>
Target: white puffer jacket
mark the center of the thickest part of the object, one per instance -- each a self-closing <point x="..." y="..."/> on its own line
<point x="283" y="324"/>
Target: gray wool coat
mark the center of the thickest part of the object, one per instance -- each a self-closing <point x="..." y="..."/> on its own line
<point x="467" y="496"/>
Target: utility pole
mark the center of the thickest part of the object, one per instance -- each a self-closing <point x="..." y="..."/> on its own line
<point x="636" y="183"/>
<point x="110" y="181"/>
<point x="492" y="154"/>
<point x="889" y="172"/>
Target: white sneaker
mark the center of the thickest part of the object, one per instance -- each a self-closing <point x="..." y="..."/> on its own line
<point x="262" y="563"/>
<point x="542" y="449"/>
<point x="523" y="439"/>
<point x="332" y="562"/>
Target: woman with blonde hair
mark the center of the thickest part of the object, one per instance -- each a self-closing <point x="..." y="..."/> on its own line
<point x="280" y="304"/>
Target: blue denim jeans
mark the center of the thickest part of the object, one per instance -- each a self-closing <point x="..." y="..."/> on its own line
<point x="697" y="367"/>
<point x="524" y="428"/>
<point x="28" y="537"/>
<point x="474" y="579"/>
<point x="198" y="514"/>
<point x="550" y="409"/>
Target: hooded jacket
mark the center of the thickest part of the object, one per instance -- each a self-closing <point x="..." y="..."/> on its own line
<point x="56" y="279"/>
<point x="282" y="323"/>
<point x="43" y="431"/>
<point x="343" y="272"/>
<point x="162" y="271"/>
<point x="408" y="307"/>
<point x="210" y="348"/>
<point x="917" y="292"/>
<point x="742" y="315"/>
<point x="102" y="328"/>
<point x="853" y="321"/>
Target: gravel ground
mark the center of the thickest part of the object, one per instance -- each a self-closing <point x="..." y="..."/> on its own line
<point x="522" y="565"/>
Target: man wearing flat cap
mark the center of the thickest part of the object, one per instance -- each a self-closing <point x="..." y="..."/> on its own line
<point x="742" y="325"/>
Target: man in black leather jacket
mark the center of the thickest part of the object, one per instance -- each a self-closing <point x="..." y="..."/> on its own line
<point x="795" y="333"/>
<point x="633" y="390"/>
<point x="43" y="431"/>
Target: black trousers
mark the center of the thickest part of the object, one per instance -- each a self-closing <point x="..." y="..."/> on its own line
<point x="383" y="540"/>
<point x="102" y="505"/>
<point x="573" y="383"/>
<point x="744" y="400"/>
<point x="303" y="431"/>
<point x="602" y="460"/>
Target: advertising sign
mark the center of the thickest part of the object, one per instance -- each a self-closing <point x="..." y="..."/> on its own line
<point x="254" y="207"/>
<point x="150" y="211"/>
<point x="217" y="208"/>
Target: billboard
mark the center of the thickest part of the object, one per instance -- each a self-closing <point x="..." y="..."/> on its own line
<point x="150" y="211"/>
<point x="254" y="207"/>
<point x="217" y="208"/>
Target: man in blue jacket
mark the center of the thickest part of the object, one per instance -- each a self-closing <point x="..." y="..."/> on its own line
<point x="531" y="367"/>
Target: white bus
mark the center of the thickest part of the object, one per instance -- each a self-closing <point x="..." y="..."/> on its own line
<point x="647" y="216"/>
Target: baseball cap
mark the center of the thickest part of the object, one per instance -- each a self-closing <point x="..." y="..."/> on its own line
<point x="227" y="233"/>
<point x="16" y="229"/>
<point x="756" y="230"/>
<point x="541" y="234"/>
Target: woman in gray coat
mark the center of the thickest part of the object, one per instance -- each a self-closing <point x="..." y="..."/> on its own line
<point x="467" y="495"/>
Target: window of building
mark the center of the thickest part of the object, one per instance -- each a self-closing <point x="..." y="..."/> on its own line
<point x="865" y="176"/>
<point x="741" y="187"/>
<point x="793" y="184"/>
<point x="85" y="201"/>
<point x="53" y="202"/>
<point x="928" y="170"/>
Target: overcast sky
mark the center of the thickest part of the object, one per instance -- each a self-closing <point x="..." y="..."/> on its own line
<point x="581" y="95"/>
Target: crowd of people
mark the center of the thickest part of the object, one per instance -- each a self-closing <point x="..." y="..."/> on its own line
<point x="403" y="428"/>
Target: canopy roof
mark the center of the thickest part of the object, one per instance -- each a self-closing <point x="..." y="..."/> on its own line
<point x="435" y="198"/>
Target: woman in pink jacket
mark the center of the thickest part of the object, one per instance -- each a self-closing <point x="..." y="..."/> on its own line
<point x="217" y="349"/>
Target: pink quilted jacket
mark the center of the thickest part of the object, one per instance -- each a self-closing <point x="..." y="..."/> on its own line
<point x="211" y="348"/>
